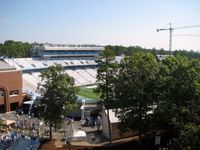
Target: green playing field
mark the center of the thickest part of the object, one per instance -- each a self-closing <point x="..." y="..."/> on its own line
<point x="88" y="93"/>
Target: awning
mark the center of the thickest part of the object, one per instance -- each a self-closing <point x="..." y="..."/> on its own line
<point x="8" y="122"/>
<point x="88" y="106"/>
<point x="29" y="102"/>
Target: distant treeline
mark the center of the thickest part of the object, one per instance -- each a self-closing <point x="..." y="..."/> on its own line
<point x="18" y="49"/>
<point x="122" y="50"/>
<point x="15" y="49"/>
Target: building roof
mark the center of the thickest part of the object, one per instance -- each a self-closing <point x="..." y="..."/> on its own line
<point x="114" y="119"/>
<point x="4" y="66"/>
<point x="66" y="48"/>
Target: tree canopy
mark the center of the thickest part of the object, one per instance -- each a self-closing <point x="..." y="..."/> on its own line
<point x="19" y="49"/>
<point x="122" y="50"/>
<point x="59" y="96"/>
<point x="106" y="80"/>
<point x="153" y="96"/>
<point x="134" y="91"/>
<point x="178" y="113"/>
<point x="106" y="75"/>
<point x="15" y="49"/>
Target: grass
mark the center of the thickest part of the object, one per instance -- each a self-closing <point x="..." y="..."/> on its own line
<point x="88" y="93"/>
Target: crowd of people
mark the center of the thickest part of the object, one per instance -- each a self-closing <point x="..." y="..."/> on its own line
<point x="8" y="138"/>
<point x="27" y="124"/>
<point x="23" y="126"/>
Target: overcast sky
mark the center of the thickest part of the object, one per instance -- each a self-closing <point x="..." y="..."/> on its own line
<point x="116" y="22"/>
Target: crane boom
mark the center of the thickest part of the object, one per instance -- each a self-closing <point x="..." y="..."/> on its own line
<point x="170" y="34"/>
<point x="171" y="31"/>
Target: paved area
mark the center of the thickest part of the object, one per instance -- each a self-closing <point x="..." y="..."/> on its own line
<point x="25" y="144"/>
<point x="94" y="139"/>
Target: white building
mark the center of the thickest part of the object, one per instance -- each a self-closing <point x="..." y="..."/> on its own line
<point x="114" y="122"/>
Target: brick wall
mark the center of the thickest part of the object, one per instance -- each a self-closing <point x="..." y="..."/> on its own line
<point x="11" y="86"/>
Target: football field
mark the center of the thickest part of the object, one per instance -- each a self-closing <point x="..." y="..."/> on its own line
<point x="88" y="93"/>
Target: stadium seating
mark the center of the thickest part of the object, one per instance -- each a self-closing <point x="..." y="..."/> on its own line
<point x="82" y="69"/>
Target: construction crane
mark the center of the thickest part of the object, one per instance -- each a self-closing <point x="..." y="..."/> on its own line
<point x="172" y="29"/>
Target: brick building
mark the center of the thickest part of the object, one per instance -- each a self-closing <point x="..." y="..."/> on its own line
<point x="10" y="88"/>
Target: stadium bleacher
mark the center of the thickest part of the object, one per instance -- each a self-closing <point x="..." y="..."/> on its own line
<point x="73" y="58"/>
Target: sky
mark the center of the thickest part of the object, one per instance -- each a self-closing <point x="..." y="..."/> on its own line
<point x="102" y="22"/>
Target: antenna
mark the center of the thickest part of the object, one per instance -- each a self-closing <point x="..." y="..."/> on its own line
<point x="175" y="28"/>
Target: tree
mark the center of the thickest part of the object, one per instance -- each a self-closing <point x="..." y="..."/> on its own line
<point x="106" y="74"/>
<point x="121" y="50"/>
<point x="59" y="96"/>
<point x="15" y="49"/>
<point x="134" y="91"/>
<point x="106" y="79"/>
<point x="178" y="112"/>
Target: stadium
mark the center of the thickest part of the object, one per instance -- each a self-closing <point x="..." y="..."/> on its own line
<point x="78" y="62"/>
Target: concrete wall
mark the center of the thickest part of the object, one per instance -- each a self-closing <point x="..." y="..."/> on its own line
<point x="116" y="134"/>
<point x="115" y="131"/>
<point x="104" y="123"/>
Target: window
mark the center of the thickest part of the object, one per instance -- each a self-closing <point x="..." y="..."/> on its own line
<point x="14" y="92"/>
<point x="2" y="93"/>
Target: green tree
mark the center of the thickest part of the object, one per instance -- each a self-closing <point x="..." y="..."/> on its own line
<point x="178" y="112"/>
<point x="106" y="79"/>
<point x="122" y="50"/>
<point x="59" y="96"/>
<point x="134" y="91"/>
<point x="15" y="49"/>
<point x="106" y="73"/>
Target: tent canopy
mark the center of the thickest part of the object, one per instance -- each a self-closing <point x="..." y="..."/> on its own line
<point x="8" y="122"/>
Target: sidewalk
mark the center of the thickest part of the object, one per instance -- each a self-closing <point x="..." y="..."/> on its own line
<point x="103" y="144"/>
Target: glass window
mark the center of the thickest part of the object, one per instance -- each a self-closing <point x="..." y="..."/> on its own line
<point x="2" y="93"/>
<point x="14" y="92"/>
